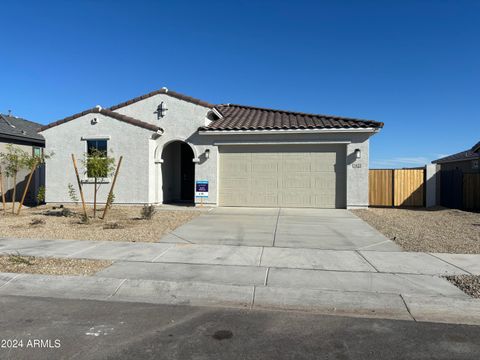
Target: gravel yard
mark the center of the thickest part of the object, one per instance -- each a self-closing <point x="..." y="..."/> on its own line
<point x="50" y="266"/>
<point x="123" y="223"/>
<point x="469" y="284"/>
<point x="433" y="230"/>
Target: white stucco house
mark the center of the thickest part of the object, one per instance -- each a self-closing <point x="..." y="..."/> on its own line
<point x="250" y="156"/>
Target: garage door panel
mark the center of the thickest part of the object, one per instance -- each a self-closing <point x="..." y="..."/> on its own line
<point x="286" y="176"/>
<point x="296" y="181"/>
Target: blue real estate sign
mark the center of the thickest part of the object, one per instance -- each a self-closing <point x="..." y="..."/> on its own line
<point x="201" y="189"/>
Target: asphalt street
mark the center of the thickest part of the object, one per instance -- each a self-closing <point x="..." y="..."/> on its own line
<point x="86" y="329"/>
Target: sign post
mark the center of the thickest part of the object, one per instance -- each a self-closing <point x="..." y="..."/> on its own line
<point x="201" y="190"/>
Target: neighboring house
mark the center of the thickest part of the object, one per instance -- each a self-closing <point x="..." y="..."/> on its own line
<point x="467" y="161"/>
<point x="476" y="148"/>
<point x="24" y="135"/>
<point x="250" y="156"/>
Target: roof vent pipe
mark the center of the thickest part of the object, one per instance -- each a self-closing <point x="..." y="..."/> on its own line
<point x="98" y="107"/>
<point x="165" y="89"/>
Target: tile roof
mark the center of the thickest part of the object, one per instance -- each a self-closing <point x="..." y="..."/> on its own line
<point x="239" y="117"/>
<point x="18" y="128"/>
<point x="460" y="156"/>
<point x="166" y="92"/>
<point x="106" y="112"/>
<point x="476" y="147"/>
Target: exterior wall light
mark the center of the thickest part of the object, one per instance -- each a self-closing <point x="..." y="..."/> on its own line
<point x="358" y="153"/>
<point x="207" y="154"/>
<point x="161" y="110"/>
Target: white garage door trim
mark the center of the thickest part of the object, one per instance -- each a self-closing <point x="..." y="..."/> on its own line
<point x="315" y="178"/>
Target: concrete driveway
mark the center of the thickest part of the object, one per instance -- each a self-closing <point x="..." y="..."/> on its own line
<point x="332" y="229"/>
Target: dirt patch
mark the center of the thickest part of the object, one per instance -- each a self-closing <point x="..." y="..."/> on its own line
<point x="469" y="284"/>
<point x="433" y="230"/>
<point x="51" y="266"/>
<point x="123" y="223"/>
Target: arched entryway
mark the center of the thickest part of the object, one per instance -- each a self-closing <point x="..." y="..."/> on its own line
<point x="178" y="173"/>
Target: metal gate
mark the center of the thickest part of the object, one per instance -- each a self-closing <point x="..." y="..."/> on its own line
<point x="451" y="189"/>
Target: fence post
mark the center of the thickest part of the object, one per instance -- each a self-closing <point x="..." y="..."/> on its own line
<point x="431" y="185"/>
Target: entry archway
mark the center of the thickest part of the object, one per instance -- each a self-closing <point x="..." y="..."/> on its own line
<point x="178" y="173"/>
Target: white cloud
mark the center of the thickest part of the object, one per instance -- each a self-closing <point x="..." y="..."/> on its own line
<point x="401" y="162"/>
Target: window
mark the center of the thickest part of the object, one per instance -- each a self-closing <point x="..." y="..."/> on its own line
<point x="96" y="146"/>
<point x="37" y="151"/>
<point x="474" y="164"/>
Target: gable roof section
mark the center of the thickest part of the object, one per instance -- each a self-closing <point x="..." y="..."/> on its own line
<point x="166" y="92"/>
<point x="476" y="147"/>
<point x="109" y="113"/>
<point x="21" y="129"/>
<point x="460" y="156"/>
<point x="239" y="117"/>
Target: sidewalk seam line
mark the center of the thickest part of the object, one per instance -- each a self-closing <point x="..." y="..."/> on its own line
<point x="406" y="306"/>
<point x="368" y="262"/>
<point x="172" y="233"/>
<point x="369" y="246"/>
<point x="266" y="277"/>
<point x="13" y="278"/>
<point x="253" y="297"/>
<point x="116" y="290"/>
<point x="261" y="256"/>
<point x="458" y="267"/>
<point x="80" y="251"/>
<point x="276" y="226"/>
<point x="161" y="254"/>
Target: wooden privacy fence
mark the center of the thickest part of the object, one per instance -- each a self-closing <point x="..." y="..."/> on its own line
<point x="397" y="187"/>
<point x="460" y="190"/>
<point x="471" y="191"/>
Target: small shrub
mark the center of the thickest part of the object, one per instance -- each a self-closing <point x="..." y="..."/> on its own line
<point x="19" y="259"/>
<point x="63" y="212"/>
<point x="112" y="225"/>
<point x="147" y="212"/>
<point x="37" y="221"/>
<point x="41" y="195"/>
<point x="72" y="193"/>
<point x="84" y="219"/>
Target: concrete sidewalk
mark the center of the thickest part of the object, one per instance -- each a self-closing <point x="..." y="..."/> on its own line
<point x="269" y="257"/>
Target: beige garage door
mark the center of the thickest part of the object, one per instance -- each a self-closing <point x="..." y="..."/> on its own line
<point x="283" y="176"/>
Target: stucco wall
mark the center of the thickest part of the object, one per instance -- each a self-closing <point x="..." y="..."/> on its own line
<point x="22" y="176"/>
<point x="130" y="141"/>
<point x="181" y="122"/>
<point x="466" y="166"/>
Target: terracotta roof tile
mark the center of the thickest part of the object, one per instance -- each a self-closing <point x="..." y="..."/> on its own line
<point x="166" y="92"/>
<point x="106" y="112"/>
<point x="239" y="117"/>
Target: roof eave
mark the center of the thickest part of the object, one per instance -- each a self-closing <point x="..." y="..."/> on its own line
<point x="203" y="131"/>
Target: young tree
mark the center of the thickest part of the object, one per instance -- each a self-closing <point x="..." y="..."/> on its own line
<point x="98" y="165"/>
<point x="12" y="162"/>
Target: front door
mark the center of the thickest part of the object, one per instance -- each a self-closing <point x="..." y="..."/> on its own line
<point x="187" y="173"/>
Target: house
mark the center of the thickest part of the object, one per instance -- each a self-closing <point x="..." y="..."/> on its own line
<point x="476" y="148"/>
<point x="467" y="161"/>
<point x="22" y="134"/>
<point x="249" y="156"/>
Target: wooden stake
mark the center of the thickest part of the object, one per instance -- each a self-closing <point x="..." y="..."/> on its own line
<point x="111" y="188"/>
<point x="79" y="186"/>
<point x="3" y="194"/>
<point x="14" y="192"/>
<point x="95" y="198"/>
<point x="32" y="170"/>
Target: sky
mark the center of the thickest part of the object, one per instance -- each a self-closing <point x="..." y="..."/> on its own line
<point x="414" y="65"/>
